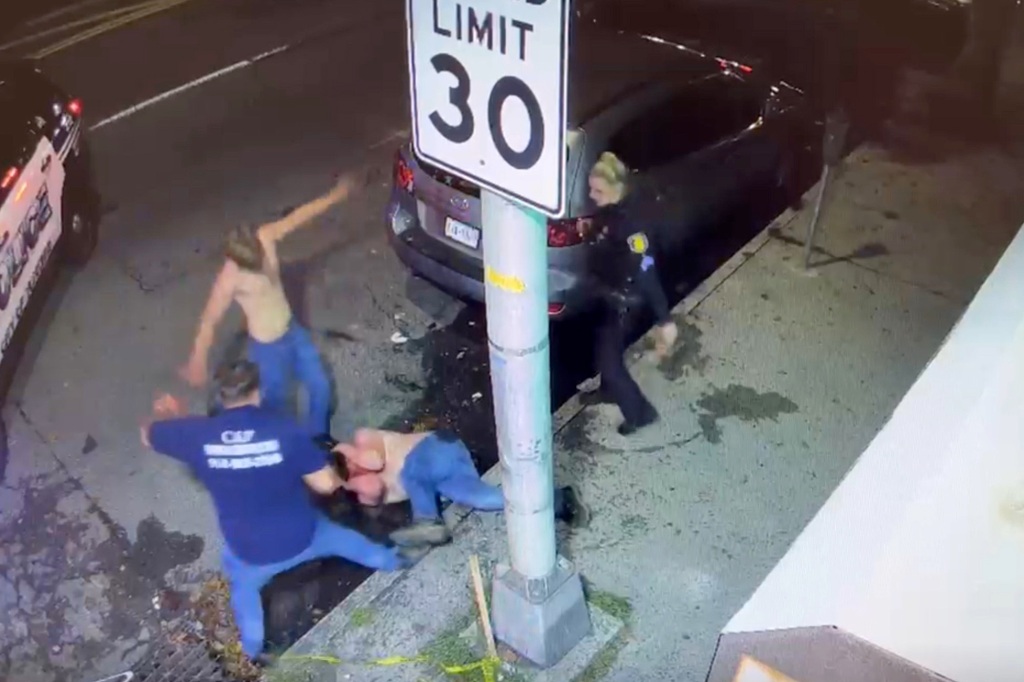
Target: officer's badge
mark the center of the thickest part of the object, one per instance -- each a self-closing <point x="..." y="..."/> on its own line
<point x="638" y="243"/>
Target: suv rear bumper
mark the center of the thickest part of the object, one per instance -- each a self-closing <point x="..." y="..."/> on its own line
<point x="463" y="277"/>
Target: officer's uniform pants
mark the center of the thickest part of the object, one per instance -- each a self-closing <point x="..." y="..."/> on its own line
<point x="616" y="381"/>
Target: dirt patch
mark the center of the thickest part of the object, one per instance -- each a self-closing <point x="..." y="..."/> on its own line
<point x="741" y="402"/>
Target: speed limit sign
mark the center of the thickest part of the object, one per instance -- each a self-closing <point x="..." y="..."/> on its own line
<point x="488" y="91"/>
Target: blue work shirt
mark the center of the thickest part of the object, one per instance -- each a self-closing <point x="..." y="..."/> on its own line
<point x="252" y="461"/>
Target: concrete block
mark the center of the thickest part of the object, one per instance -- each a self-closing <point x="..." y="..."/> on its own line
<point x="542" y="628"/>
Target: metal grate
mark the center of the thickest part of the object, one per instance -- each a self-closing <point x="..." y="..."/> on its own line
<point x="182" y="656"/>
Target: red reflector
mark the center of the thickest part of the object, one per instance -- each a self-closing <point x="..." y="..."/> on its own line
<point x="745" y="69"/>
<point x="75" y="107"/>
<point x="403" y="174"/>
<point x="9" y="177"/>
<point x="555" y="309"/>
<point x="563" y="233"/>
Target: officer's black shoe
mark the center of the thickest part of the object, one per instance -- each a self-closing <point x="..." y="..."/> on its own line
<point x="572" y="509"/>
<point x="628" y="428"/>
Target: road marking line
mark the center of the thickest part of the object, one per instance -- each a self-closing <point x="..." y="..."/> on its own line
<point x="35" y="21"/>
<point x="134" y="109"/>
<point x="78" y="22"/>
<point x="397" y="135"/>
<point x="154" y="8"/>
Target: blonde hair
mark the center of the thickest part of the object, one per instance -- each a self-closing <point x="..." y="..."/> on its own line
<point x="243" y="246"/>
<point x="612" y="170"/>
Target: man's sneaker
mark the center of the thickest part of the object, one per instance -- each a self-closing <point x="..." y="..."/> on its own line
<point x="422" y="533"/>
<point x="325" y="441"/>
<point x="574" y="511"/>
<point x="410" y="556"/>
<point x="264" y="661"/>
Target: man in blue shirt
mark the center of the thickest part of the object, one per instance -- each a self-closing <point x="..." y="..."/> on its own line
<point x="259" y="466"/>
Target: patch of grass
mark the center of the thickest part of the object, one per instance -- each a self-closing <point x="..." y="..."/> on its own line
<point x="450" y="648"/>
<point x="361" y="617"/>
<point x="617" y="607"/>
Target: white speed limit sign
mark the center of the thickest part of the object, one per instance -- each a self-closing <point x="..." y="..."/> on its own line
<point x="488" y="89"/>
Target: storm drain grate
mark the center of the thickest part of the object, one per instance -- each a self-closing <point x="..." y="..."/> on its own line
<point x="182" y="656"/>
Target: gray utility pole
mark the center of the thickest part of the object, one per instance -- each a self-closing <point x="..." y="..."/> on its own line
<point x="538" y="605"/>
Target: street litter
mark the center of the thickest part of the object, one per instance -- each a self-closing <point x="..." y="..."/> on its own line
<point x="399" y="338"/>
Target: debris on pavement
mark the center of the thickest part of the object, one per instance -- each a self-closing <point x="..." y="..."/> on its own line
<point x="399" y="338"/>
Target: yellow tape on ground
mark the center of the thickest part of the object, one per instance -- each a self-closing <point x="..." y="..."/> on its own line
<point x="488" y="666"/>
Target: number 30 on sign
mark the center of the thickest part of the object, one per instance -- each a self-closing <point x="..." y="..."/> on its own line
<point x="488" y="90"/>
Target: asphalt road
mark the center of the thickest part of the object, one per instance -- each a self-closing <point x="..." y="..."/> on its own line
<point x="101" y="541"/>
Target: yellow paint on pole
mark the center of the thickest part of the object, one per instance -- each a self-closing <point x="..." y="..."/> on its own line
<point x="148" y="10"/>
<point x="508" y="283"/>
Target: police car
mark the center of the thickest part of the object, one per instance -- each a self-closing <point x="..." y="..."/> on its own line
<point x="48" y="203"/>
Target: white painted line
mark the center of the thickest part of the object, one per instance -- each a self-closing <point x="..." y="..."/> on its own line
<point x="397" y="135"/>
<point x="134" y="109"/>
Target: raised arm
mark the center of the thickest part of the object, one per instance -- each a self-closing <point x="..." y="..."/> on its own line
<point x="217" y="305"/>
<point x="303" y="215"/>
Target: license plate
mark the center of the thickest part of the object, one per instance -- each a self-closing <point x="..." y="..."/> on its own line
<point x="462" y="233"/>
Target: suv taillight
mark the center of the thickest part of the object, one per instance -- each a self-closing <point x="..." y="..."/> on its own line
<point x="563" y="233"/>
<point x="7" y="181"/>
<point x="403" y="174"/>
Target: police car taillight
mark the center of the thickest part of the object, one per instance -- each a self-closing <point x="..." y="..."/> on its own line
<point x="75" y="107"/>
<point x="9" y="177"/>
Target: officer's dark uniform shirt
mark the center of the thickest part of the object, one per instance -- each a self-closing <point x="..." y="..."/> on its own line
<point x="252" y="461"/>
<point x="625" y="257"/>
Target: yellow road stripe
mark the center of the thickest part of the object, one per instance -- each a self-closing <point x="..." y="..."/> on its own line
<point x="35" y="21"/>
<point x="79" y="22"/>
<point x="151" y="9"/>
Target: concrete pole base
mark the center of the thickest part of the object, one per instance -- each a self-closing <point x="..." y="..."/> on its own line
<point x="541" y="620"/>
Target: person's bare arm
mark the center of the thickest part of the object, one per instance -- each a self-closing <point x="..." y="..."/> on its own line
<point x="279" y="229"/>
<point x="324" y="482"/>
<point x="221" y="295"/>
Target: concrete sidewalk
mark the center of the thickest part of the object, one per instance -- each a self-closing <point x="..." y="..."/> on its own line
<point x="780" y="381"/>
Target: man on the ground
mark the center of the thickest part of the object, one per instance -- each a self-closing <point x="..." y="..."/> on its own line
<point x="382" y="467"/>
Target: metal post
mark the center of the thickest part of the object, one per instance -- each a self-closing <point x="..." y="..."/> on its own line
<point x="516" y="277"/>
<point x="837" y="125"/>
<point x="538" y="605"/>
<point x="813" y="227"/>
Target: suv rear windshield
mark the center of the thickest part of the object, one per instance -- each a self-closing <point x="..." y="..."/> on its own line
<point x="695" y="117"/>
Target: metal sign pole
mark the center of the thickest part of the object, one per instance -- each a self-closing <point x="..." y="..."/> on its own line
<point x="538" y="602"/>
<point x="837" y="125"/>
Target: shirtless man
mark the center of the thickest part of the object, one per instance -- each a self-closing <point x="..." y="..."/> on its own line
<point x="382" y="467"/>
<point x="278" y="344"/>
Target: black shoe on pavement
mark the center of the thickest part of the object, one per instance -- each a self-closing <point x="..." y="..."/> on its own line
<point x="326" y="441"/>
<point x="628" y="428"/>
<point x="422" y="533"/>
<point x="574" y="511"/>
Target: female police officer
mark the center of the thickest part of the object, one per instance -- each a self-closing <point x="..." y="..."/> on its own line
<point x="625" y="269"/>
